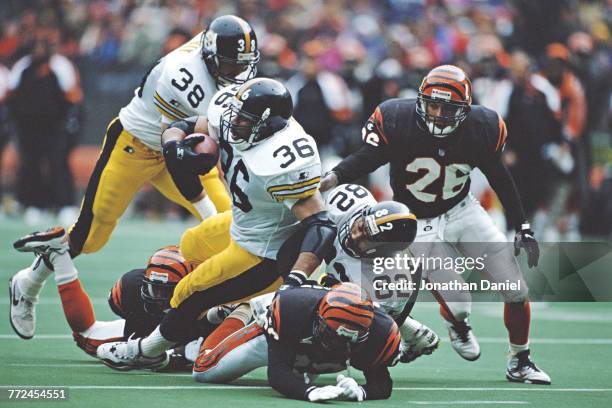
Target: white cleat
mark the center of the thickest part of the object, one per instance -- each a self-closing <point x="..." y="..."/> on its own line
<point x="43" y="242"/>
<point x="521" y="369"/>
<point x="127" y="355"/>
<point x="22" y="310"/>
<point x="463" y="340"/>
<point x="424" y="342"/>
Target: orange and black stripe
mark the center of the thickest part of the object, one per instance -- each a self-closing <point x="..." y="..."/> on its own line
<point x="208" y="360"/>
<point x="390" y="348"/>
<point x="503" y="134"/>
<point x="80" y="230"/>
<point x="276" y="320"/>
<point x="169" y="259"/>
<point x="347" y="305"/>
<point x="115" y="298"/>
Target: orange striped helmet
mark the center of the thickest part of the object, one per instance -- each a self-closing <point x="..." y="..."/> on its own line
<point x="165" y="268"/>
<point x="344" y="317"/>
<point x="444" y="100"/>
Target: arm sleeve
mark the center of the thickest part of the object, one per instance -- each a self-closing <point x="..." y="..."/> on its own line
<point x="295" y="185"/>
<point x="503" y="184"/>
<point x="378" y="383"/>
<point x="372" y="154"/>
<point x="280" y="371"/>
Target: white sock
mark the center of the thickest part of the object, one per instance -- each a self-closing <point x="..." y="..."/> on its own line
<point x="63" y="267"/>
<point x="155" y="344"/>
<point x="192" y="349"/>
<point x="31" y="280"/>
<point x="205" y="207"/>
<point x="409" y="328"/>
<point x="517" y="348"/>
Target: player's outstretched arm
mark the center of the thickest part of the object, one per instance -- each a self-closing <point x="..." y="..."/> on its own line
<point x="318" y="239"/>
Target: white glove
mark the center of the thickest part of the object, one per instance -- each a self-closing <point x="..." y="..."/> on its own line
<point x="329" y="392"/>
<point x="350" y="389"/>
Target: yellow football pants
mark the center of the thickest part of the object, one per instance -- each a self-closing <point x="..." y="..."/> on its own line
<point x="226" y="273"/>
<point x="124" y="166"/>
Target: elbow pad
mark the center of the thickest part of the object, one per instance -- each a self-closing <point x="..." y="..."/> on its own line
<point x="319" y="236"/>
<point x="186" y="125"/>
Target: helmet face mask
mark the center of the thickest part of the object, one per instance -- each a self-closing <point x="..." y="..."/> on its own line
<point x="260" y="108"/>
<point x="444" y="100"/>
<point x="380" y="230"/>
<point x="230" y="50"/>
<point x="156" y="296"/>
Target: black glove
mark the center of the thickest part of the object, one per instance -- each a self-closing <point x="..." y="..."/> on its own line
<point x="180" y="156"/>
<point x="294" y="279"/>
<point x="525" y="239"/>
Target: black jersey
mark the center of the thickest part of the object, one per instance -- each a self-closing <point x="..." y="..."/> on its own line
<point x="432" y="174"/>
<point x="126" y="302"/>
<point x="293" y="314"/>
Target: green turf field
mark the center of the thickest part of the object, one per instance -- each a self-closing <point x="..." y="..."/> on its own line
<point x="571" y="341"/>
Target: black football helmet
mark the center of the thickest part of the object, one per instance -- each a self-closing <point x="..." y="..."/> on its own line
<point x="260" y="108"/>
<point x="230" y="50"/>
<point x="382" y="230"/>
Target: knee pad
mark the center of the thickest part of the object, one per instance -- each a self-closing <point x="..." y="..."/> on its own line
<point x="189" y="247"/>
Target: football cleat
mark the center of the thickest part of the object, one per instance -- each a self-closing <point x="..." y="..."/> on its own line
<point x="521" y="369"/>
<point x="463" y="340"/>
<point x="424" y="342"/>
<point x="22" y="310"/>
<point x="127" y="355"/>
<point x="43" y="242"/>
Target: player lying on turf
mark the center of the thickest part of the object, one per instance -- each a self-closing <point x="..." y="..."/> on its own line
<point x="140" y="297"/>
<point x="179" y="85"/>
<point x="367" y="229"/>
<point x="273" y="171"/>
<point x="432" y="143"/>
<point x="309" y="330"/>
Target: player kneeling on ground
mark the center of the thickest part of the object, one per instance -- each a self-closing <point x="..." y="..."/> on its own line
<point x="309" y="330"/>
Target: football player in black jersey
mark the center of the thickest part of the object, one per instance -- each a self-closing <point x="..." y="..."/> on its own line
<point x="432" y="143"/>
<point x="308" y="330"/>
<point x="140" y="297"/>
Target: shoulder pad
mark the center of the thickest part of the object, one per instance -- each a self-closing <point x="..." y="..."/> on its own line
<point x="218" y="104"/>
<point x="278" y="154"/>
<point x="346" y="199"/>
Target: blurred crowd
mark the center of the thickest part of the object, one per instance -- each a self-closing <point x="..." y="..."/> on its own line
<point x="544" y="65"/>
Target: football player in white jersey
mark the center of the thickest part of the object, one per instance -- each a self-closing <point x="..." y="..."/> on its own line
<point x="273" y="171"/>
<point x="179" y="85"/>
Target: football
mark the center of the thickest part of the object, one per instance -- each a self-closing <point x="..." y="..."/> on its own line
<point x="209" y="145"/>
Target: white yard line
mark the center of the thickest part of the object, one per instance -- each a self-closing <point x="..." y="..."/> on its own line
<point x="484" y="340"/>
<point x="469" y="402"/>
<point x="259" y="387"/>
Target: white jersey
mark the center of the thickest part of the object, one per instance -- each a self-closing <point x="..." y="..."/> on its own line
<point x="177" y="87"/>
<point x="345" y="203"/>
<point x="265" y="181"/>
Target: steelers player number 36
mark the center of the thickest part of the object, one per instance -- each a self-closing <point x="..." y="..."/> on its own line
<point x="300" y="146"/>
